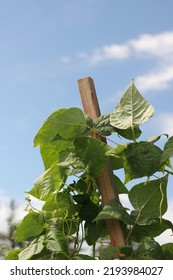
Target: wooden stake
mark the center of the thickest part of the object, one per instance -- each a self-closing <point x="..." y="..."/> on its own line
<point x="105" y="181"/>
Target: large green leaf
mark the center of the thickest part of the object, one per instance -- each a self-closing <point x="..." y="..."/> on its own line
<point x="50" y="152"/>
<point x="48" y="183"/>
<point x="92" y="153"/>
<point x="132" y="110"/>
<point x="114" y="210"/>
<point x="67" y="123"/>
<point x="149" y="249"/>
<point x="56" y="242"/>
<point x="149" y="227"/>
<point x="131" y="133"/>
<point x="167" y="251"/>
<point x="168" y="150"/>
<point x="141" y="159"/>
<point x="93" y="231"/>
<point x="150" y="198"/>
<point x="34" y="248"/>
<point x="31" y="226"/>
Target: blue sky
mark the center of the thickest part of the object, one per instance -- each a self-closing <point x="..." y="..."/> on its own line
<point x="46" y="46"/>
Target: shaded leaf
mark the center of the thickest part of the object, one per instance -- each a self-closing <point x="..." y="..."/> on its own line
<point x="141" y="159"/>
<point x="120" y="187"/>
<point x="132" y="110"/>
<point x="92" y="153"/>
<point x="149" y="227"/>
<point x="149" y="249"/>
<point x="150" y="198"/>
<point x="114" y="210"/>
<point x="93" y="231"/>
<point x="102" y="125"/>
<point x="167" y="251"/>
<point x="131" y="133"/>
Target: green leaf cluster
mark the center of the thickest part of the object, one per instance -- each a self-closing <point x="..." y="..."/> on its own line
<point x="72" y="214"/>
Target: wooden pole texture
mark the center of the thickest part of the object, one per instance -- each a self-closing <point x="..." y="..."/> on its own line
<point x="106" y="182"/>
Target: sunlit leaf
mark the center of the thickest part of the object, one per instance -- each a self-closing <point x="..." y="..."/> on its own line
<point x="68" y="123"/>
<point x="31" y="226"/>
<point x="132" y="109"/>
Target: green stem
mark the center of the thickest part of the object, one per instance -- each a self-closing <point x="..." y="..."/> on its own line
<point x="132" y="229"/>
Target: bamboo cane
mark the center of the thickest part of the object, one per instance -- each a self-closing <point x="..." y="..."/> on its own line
<point x="106" y="182"/>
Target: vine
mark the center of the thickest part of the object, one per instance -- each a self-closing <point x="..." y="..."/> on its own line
<point x="72" y="218"/>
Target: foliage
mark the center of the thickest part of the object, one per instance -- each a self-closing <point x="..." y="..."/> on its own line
<point x="72" y="215"/>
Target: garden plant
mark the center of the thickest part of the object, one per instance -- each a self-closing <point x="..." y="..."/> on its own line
<point x="72" y="224"/>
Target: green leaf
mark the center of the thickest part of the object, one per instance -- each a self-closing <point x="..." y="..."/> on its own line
<point x="93" y="231"/>
<point x="68" y="123"/>
<point x="50" y="152"/>
<point x="131" y="133"/>
<point x="149" y="227"/>
<point x="149" y="249"/>
<point x="57" y="242"/>
<point x="92" y="153"/>
<point x="141" y="159"/>
<point x="132" y="110"/>
<point x="102" y="125"/>
<point x="167" y="251"/>
<point x="120" y="186"/>
<point x="49" y="183"/>
<point x="63" y="205"/>
<point x="150" y="198"/>
<point x="116" y="157"/>
<point x="114" y="210"/>
<point x="31" y="226"/>
<point x="88" y="211"/>
<point x="168" y="150"/>
<point x="34" y="248"/>
<point x="13" y="254"/>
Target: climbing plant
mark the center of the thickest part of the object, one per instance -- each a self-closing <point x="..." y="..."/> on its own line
<point x="73" y="219"/>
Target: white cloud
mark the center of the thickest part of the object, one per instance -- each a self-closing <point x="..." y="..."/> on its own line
<point x="107" y="52"/>
<point x="159" y="46"/>
<point x="156" y="80"/>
